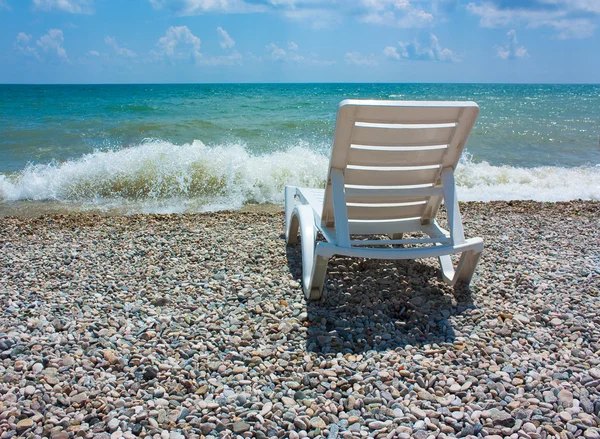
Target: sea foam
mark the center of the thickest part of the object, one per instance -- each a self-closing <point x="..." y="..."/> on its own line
<point x="158" y="176"/>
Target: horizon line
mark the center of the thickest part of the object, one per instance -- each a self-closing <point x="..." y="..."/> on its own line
<point x="292" y="83"/>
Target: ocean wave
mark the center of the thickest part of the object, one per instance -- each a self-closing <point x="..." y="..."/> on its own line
<point x="484" y="182"/>
<point x="160" y="172"/>
<point x="159" y="176"/>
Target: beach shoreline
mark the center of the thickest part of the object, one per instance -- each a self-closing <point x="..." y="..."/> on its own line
<point x="195" y="325"/>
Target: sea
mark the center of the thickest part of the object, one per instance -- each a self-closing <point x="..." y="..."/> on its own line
<point x="174" y="148"/>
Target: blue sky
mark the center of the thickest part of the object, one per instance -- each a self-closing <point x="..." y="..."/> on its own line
<point x="115" y="41"/>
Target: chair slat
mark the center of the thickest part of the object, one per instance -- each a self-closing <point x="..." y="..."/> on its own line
<point x="380" y="213"/>
<point x="363" y="135"/>
<point x="391" y="178"/>
<point x="380" y="198"/>
<point x="407" y="114"/>
<point x="400" y="241"/>
<point x="373" y="156"/>
<point x="359" y="227"/>
<point x="374" y="195"/>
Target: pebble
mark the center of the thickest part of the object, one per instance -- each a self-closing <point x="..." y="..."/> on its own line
<point x="240" y="427"/>
<point x="419" y="414"/>
<point x="565" y="397"/>
<point x="317" y="422"/>
<point x="29" y="390"/>
<point x="113" y="424"/>
<point x="173" y="325"/>
<point x="24" y="424"/>
<point x="591" y="433"/>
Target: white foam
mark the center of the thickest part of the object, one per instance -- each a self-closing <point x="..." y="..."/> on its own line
<point x="483" y="182"/>
<point x="161" y="177"/>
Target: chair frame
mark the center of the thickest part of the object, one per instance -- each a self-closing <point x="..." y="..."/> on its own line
<point x="302" y="215"/>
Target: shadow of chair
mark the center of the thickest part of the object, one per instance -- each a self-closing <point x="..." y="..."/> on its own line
<point x="380" y="305"/>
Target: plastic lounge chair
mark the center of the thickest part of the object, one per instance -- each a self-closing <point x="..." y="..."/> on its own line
<point x="392" y="164"/>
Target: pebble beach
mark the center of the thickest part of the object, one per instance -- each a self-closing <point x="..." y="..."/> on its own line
<point x="195" y="325"/>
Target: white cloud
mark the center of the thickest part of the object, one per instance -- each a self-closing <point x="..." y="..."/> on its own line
<point x="569" y="18"/>
<point x="198" y="7"/>
<point x="401" y="13"/>
<point x="276" y="53"/>
<point x="592" y="6"/>
<point x="391" y="52"/>
<point x="94" y="53"/>
<point x="226" y="41"/>
<point x="320" y="13"/>
<point x="318" y="17"/>
<point x="356" y="58"/>
<point x="576" y="28"/>
<point x="512" y="50"/>
<point x="22" y="37"/>
<point x="70" y="6"/>
<point x="121" y="51"/>
<point x="52" y="42"/>
<point x="22" y="45"/>
<point x="419" y="51"/>
<point x="178" y="43"/>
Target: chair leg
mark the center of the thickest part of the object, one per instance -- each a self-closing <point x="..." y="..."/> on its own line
<point x="466" y="267"/>
<point x="291" y="234"/>
<point x="314" y="265"/>
<point x="291" y="220"/>
<point x="314" y="289"/>
<point x="464" y="270"/>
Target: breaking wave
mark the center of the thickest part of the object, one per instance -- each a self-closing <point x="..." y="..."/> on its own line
<point x="159" y="176"/>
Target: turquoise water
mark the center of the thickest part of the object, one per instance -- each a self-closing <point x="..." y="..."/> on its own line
<point x="199" y="147"/>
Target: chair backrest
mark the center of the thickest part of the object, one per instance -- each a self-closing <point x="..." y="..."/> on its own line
<point x="392" y="154"/>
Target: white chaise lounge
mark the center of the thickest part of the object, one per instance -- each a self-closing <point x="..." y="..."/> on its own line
<point x="392" y="164"/>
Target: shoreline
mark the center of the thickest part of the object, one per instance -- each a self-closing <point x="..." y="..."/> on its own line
<point x="195" y="325"/>
<point x="28" y="209"/>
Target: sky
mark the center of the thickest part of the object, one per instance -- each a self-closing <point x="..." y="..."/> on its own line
<point x="208" y="41"/>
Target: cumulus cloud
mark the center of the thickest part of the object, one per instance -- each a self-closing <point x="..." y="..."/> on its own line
<point x="391" y="52"/>
<point x="22" y="45"/>
<point x="277" y="53"/>
<point x="568" y="18"/>
<point x="357" y="59"/>
<point x="94" y="53"/>
<point x="70" y="6"/>
<point x="178" y="43"/>
<point x="226" y="41"/>
<point x="432" y="51"/>
<point x="512" y="49"/>
<point x="22" y="37"/>
<point x="120" y="51"/>
<point x="52" y="43"/>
